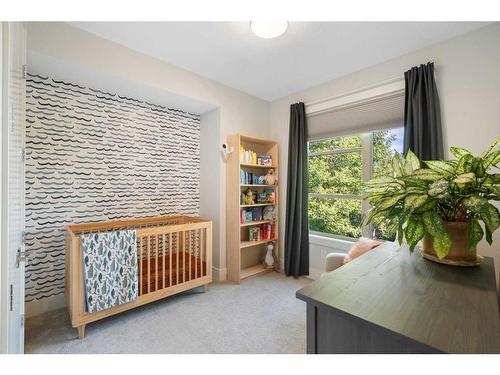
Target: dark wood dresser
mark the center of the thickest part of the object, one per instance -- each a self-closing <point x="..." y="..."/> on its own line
<point x="391" y="301"/>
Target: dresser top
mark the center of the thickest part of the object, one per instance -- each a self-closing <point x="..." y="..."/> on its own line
<point x="452" y="309"/>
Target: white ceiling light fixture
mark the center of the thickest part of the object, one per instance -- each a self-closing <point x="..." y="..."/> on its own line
<point x="268" y="30"/>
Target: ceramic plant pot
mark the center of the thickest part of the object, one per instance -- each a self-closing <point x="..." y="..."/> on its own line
<point x="460" y="254"/>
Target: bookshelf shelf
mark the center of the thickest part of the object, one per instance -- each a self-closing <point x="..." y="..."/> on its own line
<point x="256" y="222"/>
<point x="253" y="270"/>
<point x="257" y="166"/>
<point x="245" y="244"/>
<point x="255" y="185"/>
<point x="257" y="205"/>
<point x="244" y="257"/>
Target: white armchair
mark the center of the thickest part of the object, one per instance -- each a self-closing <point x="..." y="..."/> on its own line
<point x="334" y="261"/>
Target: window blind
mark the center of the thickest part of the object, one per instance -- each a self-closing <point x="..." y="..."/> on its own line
<point x="371" y="114"/>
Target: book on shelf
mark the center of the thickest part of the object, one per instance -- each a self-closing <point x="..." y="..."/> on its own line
<point x="254" y="234"/>
<point x="266" y="160"/>
<point x="246" y="178"/>
<point x="268" y="231"/>
<point x="249" y="178"/>
<point x="246" y="216"/>
<point x="257" y="213"/>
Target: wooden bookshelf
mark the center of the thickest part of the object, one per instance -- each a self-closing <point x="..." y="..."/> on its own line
<point x="253" y="270"/>
<point x="244" y="257"/>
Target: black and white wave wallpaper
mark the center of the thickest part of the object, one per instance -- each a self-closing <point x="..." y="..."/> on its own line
<point x="92" y="156"/>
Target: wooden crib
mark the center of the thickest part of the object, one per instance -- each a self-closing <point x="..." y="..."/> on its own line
<point x="175" y="254"/>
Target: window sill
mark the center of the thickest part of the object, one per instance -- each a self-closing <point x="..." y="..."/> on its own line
<point x="335" y="243"/>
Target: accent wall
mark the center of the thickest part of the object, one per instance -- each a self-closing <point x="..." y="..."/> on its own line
<point x="93" y="155"/>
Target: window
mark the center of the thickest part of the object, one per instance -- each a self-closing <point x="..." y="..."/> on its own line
<point x="337" y="168"/>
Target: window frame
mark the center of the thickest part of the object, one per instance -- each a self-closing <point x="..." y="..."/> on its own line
<point x="366" y="151"/>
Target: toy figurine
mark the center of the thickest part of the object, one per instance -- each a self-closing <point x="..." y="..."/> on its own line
<point x="249" y="197"/>
<point x="269" y="213"/>
<point x="270" y="177"/>
<point x="269" y="259"/>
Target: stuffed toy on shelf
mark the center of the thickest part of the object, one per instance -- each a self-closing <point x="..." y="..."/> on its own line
<point x="270" y="177"/>
<point x="249" y="197"/>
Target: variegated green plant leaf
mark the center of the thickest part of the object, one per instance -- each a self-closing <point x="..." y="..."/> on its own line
<point x="414" y="201"/>
<point x="464" y="178"/>
<point x="489" y="235"/>
<point x="398" y="165"/>
<point x="465" y="163"/>
<point x="426" y="174"/>
<point x="379" y="190"/>
<point x="491" y="149"/>
<point x="474" y="203"/>
<point x="492" y="179"/>
<point x="443" y="167"/>
<point x="438" y="187"/>
<point x="433" y="223"/>
<point x="380" y="181"/>
<point x="412" y="162"/>
<point x="400" y="231"/>
<point x="475" y="233"/>
<point x="478" y="167"/>
<point x="414" y="231"/>
<point x="492" y="160"/>
<point x="491" y="217"/>
<point x="495" y="191"/>
<point x="389" y="202"/>
<point x="441" y="244"/>
<point x="430" y="204"/>
<point x="458" y="152"/>
<point x="422" y="189"/>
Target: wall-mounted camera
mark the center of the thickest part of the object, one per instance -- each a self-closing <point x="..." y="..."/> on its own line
<point x="226" y="151"/>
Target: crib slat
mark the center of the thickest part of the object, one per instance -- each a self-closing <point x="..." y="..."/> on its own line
<point x="177" y="258"/>
<point x="183" y="256"/>
<point x="190" y="250"/>
<point x="170" y="259"/>
<point x="157" y="248"/>
<point x="163" y="263"/>
<point x="202" y="247"/>
<point x="195" y="247"/>
<point x="148" y="249"/>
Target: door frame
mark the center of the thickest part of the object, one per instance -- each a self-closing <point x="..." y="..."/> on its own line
<point x="11" y="227"/>
<point x="3" y="283"/>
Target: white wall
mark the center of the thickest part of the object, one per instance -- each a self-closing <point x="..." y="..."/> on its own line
<point x="468" y="79"/>
<point x="210" y="181"/>
<point x="237" y="111"/>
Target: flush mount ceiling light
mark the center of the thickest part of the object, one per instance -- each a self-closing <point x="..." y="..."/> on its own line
<point x="268" y="30"/>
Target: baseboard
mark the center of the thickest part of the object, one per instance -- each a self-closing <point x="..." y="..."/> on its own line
<point x="314" y="273"/>
<point x="41" y="306"/>
<point x="219" y="274"/>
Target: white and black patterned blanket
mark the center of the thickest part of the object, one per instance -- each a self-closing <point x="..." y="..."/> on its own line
<point x="110" y="268"/>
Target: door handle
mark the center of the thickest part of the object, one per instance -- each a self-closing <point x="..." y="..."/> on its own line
<point x="21" y="256"/>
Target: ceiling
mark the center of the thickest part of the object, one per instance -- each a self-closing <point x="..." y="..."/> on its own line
<point x="308" y="54"/>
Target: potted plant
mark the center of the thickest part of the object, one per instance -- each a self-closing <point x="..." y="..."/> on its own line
<point x="441" y="203"/>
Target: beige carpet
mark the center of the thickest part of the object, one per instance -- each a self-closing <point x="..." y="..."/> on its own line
<point x="261" y="315"/>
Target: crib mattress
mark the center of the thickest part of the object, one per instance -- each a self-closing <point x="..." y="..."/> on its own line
<point x="181" y="272"/>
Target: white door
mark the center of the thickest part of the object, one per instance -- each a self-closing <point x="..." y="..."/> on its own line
<point x="12" y="206"/>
